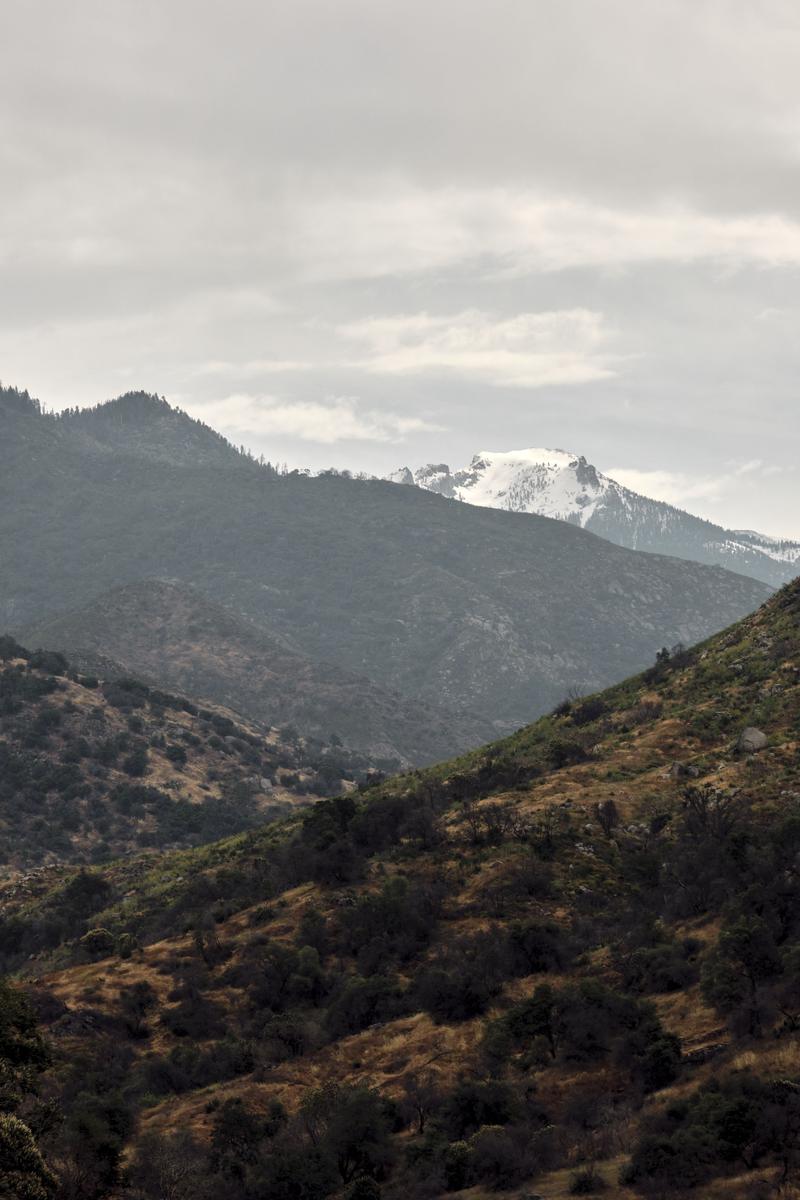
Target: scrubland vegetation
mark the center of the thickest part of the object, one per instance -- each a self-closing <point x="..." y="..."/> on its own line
<point x="563" y="964"/>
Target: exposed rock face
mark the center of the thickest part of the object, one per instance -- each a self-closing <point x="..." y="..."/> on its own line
<point x="751" y="740"/>
<point x="680" y="770"/>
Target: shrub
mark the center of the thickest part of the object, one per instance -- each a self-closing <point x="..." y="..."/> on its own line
<point x="705" y="1135"/>
<point x="586" y="1182"/>
<point x="97" y="943"/>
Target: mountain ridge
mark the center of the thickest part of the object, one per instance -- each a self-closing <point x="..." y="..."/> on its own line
<point x="465" y="608"/>
<point x="175" y="635"/>
<point x="565" y="486"/>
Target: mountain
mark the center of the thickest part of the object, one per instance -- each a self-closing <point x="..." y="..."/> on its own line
<point x="91" y="769"/>
<point x="561" y="964"/>
<point x="146" y="426"/>
<point x="464" y="608"/>
<point x="554" y="483"/>
<point x="174" y="635"/>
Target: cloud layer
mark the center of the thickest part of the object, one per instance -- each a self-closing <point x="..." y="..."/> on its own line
<point x="352" y="224"/>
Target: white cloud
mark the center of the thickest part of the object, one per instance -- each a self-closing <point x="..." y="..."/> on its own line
<point x="393" y="228"/>
<point x="253" y="366"/>
<point x="696" y="492"/>
<point x="336" y="419"/>
<point x="529" y="350"/>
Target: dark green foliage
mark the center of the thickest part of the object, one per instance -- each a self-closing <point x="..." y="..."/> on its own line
<point x="24" y="1174"/>
<point x="586" y="1182"/>
<point x="587" y="1022"/>
<point x="457" y="989"/>
<point x="737" y="1120"/>
<point x="49" y="661"/>
<point x="24" y="1055"/>
<point x="352" y="1125"/>
<point x="461" y="981"/>
<point x="364" y="1188"/>
<point x="23" y="1052"/>
<point x="474" y="1103"/>
<point x="659" y="963"/>
<point x="395" y="924"/>
<point x="195" y="1016"/>
<point x="358" y="1003"/>
<point x="565" y="752"/>
<point x="188" y="1066"/>
<point x="586" y="711"/>
<point x="237" y="1133"/>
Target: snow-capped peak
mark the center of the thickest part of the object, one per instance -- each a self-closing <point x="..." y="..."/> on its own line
<point x="563" y="485"/>
<point x="553" y="483"/>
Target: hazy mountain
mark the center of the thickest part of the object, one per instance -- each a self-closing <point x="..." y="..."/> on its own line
<point x="463" y="607"/>
<point x="175" y="635"/>
<point x="555" y="483"/>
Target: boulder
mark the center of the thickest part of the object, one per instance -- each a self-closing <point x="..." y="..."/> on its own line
<point x="680" y="770"/>
<point x="751" y="740"/>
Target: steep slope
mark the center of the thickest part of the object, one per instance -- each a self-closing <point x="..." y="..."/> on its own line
<point x="564" y="961"/>
<point x="484" y="611"/>
<point x="175" y="636"/>
<point x="554" y="483"/>
<point x="146" y="426"/>
<point x="91" y="769"/>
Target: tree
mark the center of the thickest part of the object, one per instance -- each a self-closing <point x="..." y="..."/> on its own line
<point x="351" y="1124"/>
<point x="23" y="1056"/>
<point x="235" y="1138"/>
<point x="135" y="1002"/>
<point x="607" y="815"/>
<point x="97" y="943"/>
<point x="423" y="1095"/>
<point x="24" y="1174"/>
<point x="168" y="1167"/>
<point x="745" y="957"/>
<point x="23" y="1052"/>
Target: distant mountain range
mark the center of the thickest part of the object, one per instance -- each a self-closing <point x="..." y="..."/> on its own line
<point x="459" y="608"/>
<point x="174" y="635"/>
<point x="555" y="483"/>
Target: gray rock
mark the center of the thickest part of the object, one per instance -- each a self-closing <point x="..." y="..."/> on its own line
<point x="751" y="740"/>
<point x="680" y="770"/>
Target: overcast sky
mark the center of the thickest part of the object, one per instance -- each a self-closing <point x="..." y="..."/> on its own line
<point x="371" y="233"/>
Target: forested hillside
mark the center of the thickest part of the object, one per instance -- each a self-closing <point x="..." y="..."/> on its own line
<point x="93" y="768"/>
<point x="562" y="963"/>
<point x="468" y="609"/>
<point x="172" y="634"/>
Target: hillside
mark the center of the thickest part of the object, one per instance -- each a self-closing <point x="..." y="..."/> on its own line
<point x="554" y="483"/>
<point x="94" y="769"/>
<point x="461" y="607"/>
<point x="177" y="637"/>
<point x="563" y="962"/>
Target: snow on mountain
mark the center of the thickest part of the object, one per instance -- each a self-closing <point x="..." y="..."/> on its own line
<point x="558" y="484"/>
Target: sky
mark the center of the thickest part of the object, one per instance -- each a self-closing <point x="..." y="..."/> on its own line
<point x="374" y="233"/>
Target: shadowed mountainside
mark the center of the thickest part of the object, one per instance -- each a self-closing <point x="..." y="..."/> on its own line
<point x="466" y="608"/>
<point x="172" y="634"/>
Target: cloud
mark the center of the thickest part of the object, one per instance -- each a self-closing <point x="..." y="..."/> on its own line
<point x="529" y="350"/>
<point x="253" y="366"/>
<point x="684" y="491"/>
<point x="336" y="419"/>
<point x="392" y="227"/>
